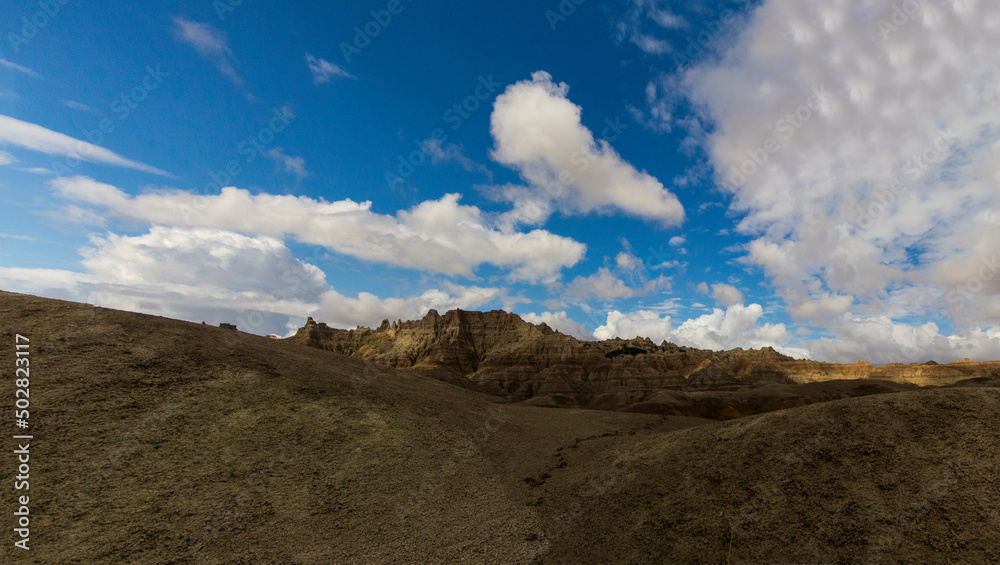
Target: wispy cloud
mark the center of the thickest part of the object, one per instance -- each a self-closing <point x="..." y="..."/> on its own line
<point x="323" y="70"/>
<point x="633" y="26"/>
<point x="210" y="43"/>
<point x="6" y="159"/>
<point x="19" y="68"/>
<point x="441" y="153"/>
<point x="294" y="165"/>
<point x="18" y="237"/>
<point x="37" y="171"/>
<point x="35" y="137"/>
<point x="78" y="106"/>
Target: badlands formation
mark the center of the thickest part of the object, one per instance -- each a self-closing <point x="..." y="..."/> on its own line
<point x="500" y="354"/>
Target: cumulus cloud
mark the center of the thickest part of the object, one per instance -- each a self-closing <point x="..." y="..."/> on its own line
<point x="207" y="274"/>
<point x="538" y="131"/>
<point x="207" y="258"/>
<point x="437" y="235"/>
<point x="210" y="43"/>
<point x="628" y="262"/>
<point x="736" y="326"/>
<point x="36" y="138"/>
<point x="323" y="70"/>
<point x="604" y="285"/>
<point x="193" y="274"/>
<point x="880" y="340"/>
<point x="860" y="149"/>
<point x="725" y="295"/>
<point x="561" y="322"/>
<point x="369" y="310"/>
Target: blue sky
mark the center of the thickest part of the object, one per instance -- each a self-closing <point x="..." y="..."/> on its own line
<point x="818" y="177"/>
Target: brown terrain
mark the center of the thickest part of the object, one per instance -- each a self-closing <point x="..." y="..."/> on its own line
<point x="162" y="441"/>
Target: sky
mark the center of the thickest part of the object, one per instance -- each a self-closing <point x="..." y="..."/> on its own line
<point x="819" y="176"/>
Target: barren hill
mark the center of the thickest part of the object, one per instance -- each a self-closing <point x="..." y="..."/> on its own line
<point x="160" y="441"/>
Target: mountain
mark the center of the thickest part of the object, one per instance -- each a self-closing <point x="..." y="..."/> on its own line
<point x="499" y="353"/>
<point x="161" y="441"/>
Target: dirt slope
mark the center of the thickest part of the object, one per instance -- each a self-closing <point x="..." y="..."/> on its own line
<point x="159" y="441"/>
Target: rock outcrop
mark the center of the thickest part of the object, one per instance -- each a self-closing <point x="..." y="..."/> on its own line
<point x="499" y="353"/>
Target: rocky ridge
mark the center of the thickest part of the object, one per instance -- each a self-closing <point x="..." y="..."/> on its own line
<point x="499" y="353"/>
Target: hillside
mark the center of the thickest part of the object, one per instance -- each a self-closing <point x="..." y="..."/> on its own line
<point x="160" y="441"/>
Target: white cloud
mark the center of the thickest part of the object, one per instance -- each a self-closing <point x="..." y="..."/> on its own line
<point x="19" y="68"/>
<point x="210" y="43"/>
<point x="369" y="310"/>
<point x="35" y="137"/>
<point x="737" y="326"/>
<point x="436" y="235"/>
<point x="628" y="262"/>
<point x="207" y="258"/>
<point x="677" y="241"/>
<point x="6" y="159"/>
<point x="859" y="150"/>
<point x="294" y="165"/>
<point x="822" y="307"/>
<point x="606" y="286"/>
<point x="880" y="340"/>
<point x="222" y="276"/>
<point x="725" y="295"/>
<point x="323" y="70"/>
<point x="538" y="132"/>
<point x="199" y="274"/>
<point x="561" y="322"/>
